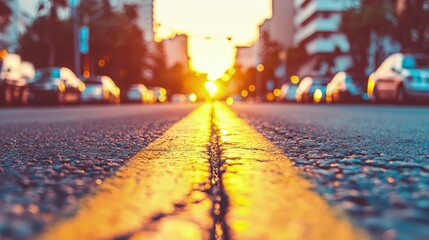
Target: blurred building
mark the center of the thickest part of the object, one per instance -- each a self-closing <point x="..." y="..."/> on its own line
<point x="247" y="57"/>
<point x="316" y="25"/>
<point x="176" y="51"/>
<point x="9" y="38"/>
<point x="280" y="28"/>
<point x="145" y="18"/>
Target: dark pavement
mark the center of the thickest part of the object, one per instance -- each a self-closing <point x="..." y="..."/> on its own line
<point x="52" y="156"/>
<point x="372" y="161"/>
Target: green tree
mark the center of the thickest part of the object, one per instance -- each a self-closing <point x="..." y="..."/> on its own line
<point x="413" y="25"/>
<point x="270" y="50"/>
<point x="53" y="26"/>
<point x="358" y="23"/>
<point x="117" y="40"/>
<point x="36" y="44"/>
<point x="296" y="57"/>
<point x="158" y="63"/>
<point x="117" y="48"/>
<point x="5" y="14"/>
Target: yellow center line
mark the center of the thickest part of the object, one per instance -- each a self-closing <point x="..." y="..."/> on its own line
<point x="162" y="192"/>
<point x="157" y="182"/>
<point x="269" y="199"/>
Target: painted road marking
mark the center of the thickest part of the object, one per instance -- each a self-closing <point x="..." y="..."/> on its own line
<point x="160" y="188"/>
<point x="269" y="199"/>
<point x="210" y="176"/>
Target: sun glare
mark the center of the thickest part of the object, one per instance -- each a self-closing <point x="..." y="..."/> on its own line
<point x="214" y="28"/>
<point x="211" y="88"/>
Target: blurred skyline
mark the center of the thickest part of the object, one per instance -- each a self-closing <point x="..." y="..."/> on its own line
<point x="213" y="38"/>
<point x="214" y="29"/>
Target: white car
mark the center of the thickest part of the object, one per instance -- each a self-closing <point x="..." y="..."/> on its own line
<point x="100" y="89"/>
<point x="399" y="78"/>
<point x="138" y="93"/>
<point x="288" y="92"/>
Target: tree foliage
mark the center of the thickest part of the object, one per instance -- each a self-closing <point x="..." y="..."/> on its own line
<point x="5" y="14"/>
<point x="372" y="17"/>
<point x="270" y="50"/>
<point x="405" y="21"/>
<point x="296" y="56"/>
<point x="117" y="47"/>
<point x="413" y="25"/>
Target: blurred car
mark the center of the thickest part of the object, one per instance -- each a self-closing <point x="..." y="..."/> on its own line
<point x="399" y="78"/>
<point x="312" y="89"/>
<point x="100" y="89"/>
<point x="346" y="87"/>
<point x="160" y="93"/>
<point x="138" y="93"/>
<point x="288" y="91"/>
<point x="179" y="98"/>
<point x="13" y="87"/>
<point x="56" y="85"/>
<point x="27" y="71"/>
<point x="151" y="96"/>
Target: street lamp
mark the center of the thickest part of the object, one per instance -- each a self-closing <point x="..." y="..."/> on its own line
<point x="260" y="68"/>
<point x="74" y="4"/>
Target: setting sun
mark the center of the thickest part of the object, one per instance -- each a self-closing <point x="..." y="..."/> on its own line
<point x="211" y="88"/>
<point x="214" y="29"/>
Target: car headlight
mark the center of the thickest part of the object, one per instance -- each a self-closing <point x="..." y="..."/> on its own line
<point x="318" y="95"/>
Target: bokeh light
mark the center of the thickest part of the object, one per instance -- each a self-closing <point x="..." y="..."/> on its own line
<point x="252" y="88"/>
<point x="211" y="88"/>
<point x="318" y="95"/>
<point x="294" y="79"/>
<point x="192" y="97"/>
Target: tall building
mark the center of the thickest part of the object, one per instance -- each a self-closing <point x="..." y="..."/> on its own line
<point x="176" y="51"/>
<point x="247" y="57"/>
<point x="145" y="18"/>
<point x="280" y="25"/>
<point x="316" y="25"/>
<point x="280" y="28"/>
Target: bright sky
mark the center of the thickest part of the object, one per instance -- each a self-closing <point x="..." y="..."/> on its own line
<point x="208" y="25"/>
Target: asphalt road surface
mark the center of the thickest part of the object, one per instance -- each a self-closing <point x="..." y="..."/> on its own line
<point x="371" y="161"/>
<point x="51" y="156"/>
<point x="211" y="175"/>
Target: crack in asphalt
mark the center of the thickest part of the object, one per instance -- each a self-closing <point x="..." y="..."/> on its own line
<point x="220" y="200"/>
<point x="178" y="208"/>
<point x="215" y="191"/>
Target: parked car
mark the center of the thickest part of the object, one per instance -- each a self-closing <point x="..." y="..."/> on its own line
<point x="346" y="87"/>
<point x="399" y="78"/>
<point x="28" y="72"/>
<point x="179" y="98"/>
<point x="312" y="89"/>
<point x="138" y="93"/>
<point x="288" y="92"/>
<point x="151" y="96"/>
<point x="100" y="89"/>
<point x="160" y="93"/>
<point x="56" y="85"/>
<point x="13" y="87"/>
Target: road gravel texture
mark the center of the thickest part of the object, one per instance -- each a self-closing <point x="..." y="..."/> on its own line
<point x="51" y="157"/>
<point x="370" y="161"/>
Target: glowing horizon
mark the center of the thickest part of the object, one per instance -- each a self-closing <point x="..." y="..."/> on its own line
<point x="214" y="29"/>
